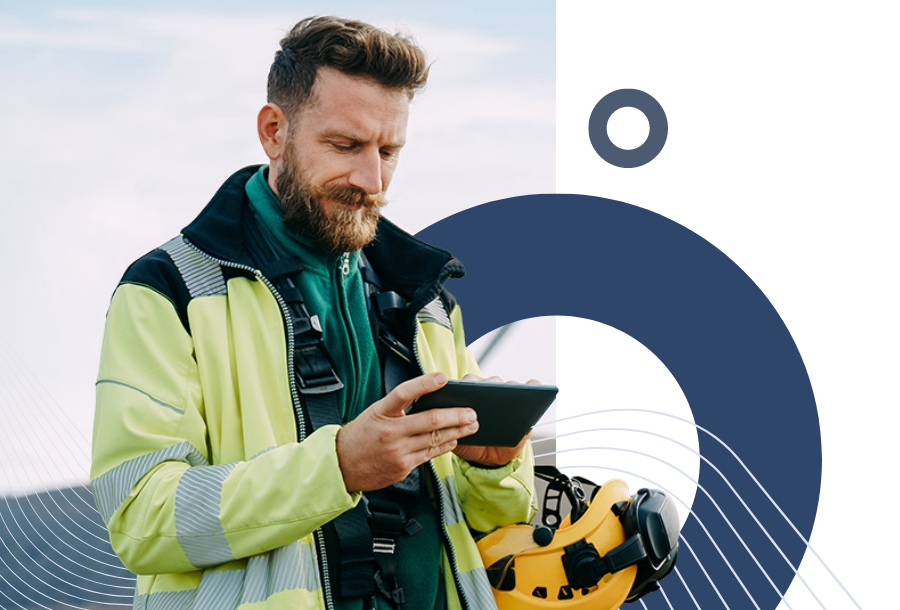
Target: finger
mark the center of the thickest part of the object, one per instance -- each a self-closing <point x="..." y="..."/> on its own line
<point x="438" y="419"/>
<point x="402" y="396"/>
<point x="533" y="382"/>
<point x="439" y="438"/>
<point x="430" y="452"/>
<point x="494" y="379"/>
<point x="471" y="377"/>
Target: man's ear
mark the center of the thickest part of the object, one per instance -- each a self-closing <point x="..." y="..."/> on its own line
<point x="272" y="126"/>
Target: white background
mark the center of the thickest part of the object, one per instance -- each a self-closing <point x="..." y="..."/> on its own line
<point x="782" y="152"/>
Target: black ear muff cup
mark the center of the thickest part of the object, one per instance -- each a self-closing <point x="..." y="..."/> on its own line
<point x="652" y="515"/>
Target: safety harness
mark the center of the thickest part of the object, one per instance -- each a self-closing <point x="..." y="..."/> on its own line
<point x="368" y="533"/>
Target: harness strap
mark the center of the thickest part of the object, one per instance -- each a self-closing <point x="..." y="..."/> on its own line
<point x="387" y="519"/>
<point x="367" y="533"/>
<point x="319" y="383"/>
<point x="387" y="304"/>
<point x="626" y="554"/>
<point x="385" y="310"/>
<point x="584" y="566"/>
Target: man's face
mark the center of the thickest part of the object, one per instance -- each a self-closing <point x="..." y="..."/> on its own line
<point x="338" y="159"/>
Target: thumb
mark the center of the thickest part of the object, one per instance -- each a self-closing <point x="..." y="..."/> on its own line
<point x="404" y="394"/>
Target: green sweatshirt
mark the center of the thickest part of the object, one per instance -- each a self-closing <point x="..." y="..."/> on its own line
<point x="338" y="299"/>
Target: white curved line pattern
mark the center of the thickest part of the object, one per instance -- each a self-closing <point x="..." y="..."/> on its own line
<point x="43" y="409"/>
<point x="705" y="573"/>
<point x="687" y="588"/>
<point x="748" y="472"/>
<point x="708" y="495"/>
<point x="54" y="549"/>
<point x="662" y="591"/>
<point x="696" y="518"/>
<point x="724" y="478"/>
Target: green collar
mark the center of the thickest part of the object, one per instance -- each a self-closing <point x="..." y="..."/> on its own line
<point x="270" y="213"/>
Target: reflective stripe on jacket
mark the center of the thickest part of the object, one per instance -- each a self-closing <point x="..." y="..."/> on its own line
<point x="197" y="470"/>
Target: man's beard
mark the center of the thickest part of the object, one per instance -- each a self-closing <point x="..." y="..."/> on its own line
<point x="345" y="230"/>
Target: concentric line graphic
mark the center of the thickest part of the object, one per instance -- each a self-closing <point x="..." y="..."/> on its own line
<point x="718" y="471"/>
<point x="54" y="548"/>
<point x="735" y="464"/>
<point x="582" y="469"/>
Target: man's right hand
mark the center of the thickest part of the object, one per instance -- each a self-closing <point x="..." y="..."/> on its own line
<point x="383" y="445"/>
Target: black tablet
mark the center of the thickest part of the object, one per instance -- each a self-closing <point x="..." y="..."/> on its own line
<point x="506" y="411"/>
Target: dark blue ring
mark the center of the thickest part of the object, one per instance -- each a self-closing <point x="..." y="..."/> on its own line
<point x="708" y="323"/>
<point x="599" y="133"/>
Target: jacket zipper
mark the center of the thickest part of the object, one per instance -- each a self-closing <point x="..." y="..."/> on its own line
<point x="415" y="324"/>
<point x="453" y="565"/>
<point x="295" y="396"/>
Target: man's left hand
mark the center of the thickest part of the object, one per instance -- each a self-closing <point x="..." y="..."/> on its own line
<point x="491" y="456"/>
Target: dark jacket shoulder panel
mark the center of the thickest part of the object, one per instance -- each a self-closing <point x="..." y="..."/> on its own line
<point x="157" y="271"/>
<point x="180" y="273"/>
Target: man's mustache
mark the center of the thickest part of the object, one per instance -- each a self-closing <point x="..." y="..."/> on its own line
<point x="351" y="196"/>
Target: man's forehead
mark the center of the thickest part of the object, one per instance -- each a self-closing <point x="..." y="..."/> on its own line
<point x="330" y="82"/>
<point x="341" y="102"/>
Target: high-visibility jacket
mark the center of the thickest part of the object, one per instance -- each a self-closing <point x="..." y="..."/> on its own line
<point x="209" y="495"/>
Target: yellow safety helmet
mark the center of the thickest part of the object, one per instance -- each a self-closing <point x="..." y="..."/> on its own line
<point x="610" y="549"/>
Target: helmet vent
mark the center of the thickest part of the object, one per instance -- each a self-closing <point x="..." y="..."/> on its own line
<point x="502" y="574"/>
<point x="540" y="592"/>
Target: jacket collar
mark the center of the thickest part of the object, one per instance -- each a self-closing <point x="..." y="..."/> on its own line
<point x="414" y="269"/>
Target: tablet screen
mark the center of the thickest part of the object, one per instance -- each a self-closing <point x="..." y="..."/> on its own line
<point x="506" y="411"/>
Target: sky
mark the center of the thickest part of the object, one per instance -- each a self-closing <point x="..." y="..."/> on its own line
<point x="120" y="123"/>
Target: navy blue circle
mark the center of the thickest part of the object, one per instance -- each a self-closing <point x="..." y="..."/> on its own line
<point x="599" y="134"/>
<point x="719" y="336"/>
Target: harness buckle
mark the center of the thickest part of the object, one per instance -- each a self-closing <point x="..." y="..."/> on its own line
<point x="307" y="330"/>
<point x="384" y="545"/>
<point x="314" y="370"/>
<point x="398" y="348"/>
<point x="392" y="591"/>
<point x="322" y="385"/>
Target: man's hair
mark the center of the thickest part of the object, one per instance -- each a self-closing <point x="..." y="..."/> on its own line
<point x="355" y="48"/>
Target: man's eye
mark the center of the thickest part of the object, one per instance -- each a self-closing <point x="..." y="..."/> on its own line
<point x="389" y="153"/>
<point x="342" y="147"/>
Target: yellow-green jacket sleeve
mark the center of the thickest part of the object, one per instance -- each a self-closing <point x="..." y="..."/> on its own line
<point x="168" y="506"/>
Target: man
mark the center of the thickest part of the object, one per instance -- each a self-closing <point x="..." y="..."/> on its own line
<point x="256" y="368"/>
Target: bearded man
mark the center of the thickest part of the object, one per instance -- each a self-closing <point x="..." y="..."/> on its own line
<point x="250" y="443"/>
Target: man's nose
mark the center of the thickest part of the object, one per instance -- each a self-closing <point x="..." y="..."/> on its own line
<point x="367" y="174"/>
